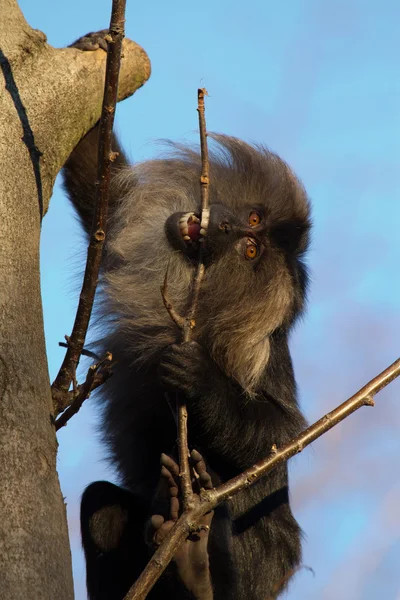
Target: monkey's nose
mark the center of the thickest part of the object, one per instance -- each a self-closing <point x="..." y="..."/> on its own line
<point x="221" y="219"/>
<point x="225" y="226"/>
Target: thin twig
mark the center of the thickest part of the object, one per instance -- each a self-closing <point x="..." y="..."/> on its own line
<point x="183" y="452"/>
<point x="177" y="319"/>
<point x="209" y="499"/>
<point x="84" y="352"/>
<point x="279" y="585"/>
<point x="189" y="322"/>
<point x="96" y="376"/>
<point x="97" y="238"/>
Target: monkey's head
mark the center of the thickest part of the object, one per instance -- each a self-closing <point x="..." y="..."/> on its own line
<point x="255" y="279"/>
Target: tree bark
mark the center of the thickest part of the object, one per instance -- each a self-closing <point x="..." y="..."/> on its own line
<point x="49" y="99"/>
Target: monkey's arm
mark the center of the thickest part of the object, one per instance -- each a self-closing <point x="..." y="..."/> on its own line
<point x="80" y="174"/>
<point x="229" y="425"/>
<point x="80" y="171"/>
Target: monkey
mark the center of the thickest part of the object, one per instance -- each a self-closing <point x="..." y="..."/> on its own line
<point x="235" y="375"/>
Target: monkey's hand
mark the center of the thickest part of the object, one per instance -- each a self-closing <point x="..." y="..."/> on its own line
<point x="92" y="41"/>
<point x="187" y="368"/>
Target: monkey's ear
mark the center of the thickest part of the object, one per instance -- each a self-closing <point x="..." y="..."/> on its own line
<point x="112" y="540"/>
<point x="291" y="236"/>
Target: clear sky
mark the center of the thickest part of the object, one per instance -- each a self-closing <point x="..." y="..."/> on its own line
<point x="318" y="82"/>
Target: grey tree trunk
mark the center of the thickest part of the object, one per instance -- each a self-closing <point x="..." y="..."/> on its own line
<point x="49" y="98"/>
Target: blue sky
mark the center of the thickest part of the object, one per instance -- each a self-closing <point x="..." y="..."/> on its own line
<point x="317" y="81"/>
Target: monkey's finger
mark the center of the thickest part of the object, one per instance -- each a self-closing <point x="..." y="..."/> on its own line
<point x="172" y="376"/>
<point x="162" y="533"/>
<point x="158" y="529"/>
<point x="156" y="521"/>
<point x="151" y="527"/>
<point x="170" y="464"/>
<point x="174" y="508"/>
<point x="176" y="354"/>
<point x="173" y="491"/>
<point x="92" y="41"/>
<point x="201" y="469"/>
<point x="171" y="482"/>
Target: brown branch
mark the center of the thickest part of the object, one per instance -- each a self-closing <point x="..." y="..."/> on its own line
<point x="364" y="397"/>
<point x="161" y="558"/>
<point x="183" y="452"/>
<point x="209" y="499"/>
<point x="175" y="316"/>
<point x="98" y="234"/>
<point x="189" y="322"/>
<point x="84" y="352"/>
<point x="96" y="376"/>
<point x="278" y="587"/>
<point x="205" y="214"/>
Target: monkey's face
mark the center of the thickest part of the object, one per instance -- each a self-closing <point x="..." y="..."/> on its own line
<point x="247" y="232"/>
<point x="254" y="281"/>
<point x="225" y="229"/>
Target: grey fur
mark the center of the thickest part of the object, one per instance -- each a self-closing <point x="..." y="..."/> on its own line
<point x="245" y="314"/>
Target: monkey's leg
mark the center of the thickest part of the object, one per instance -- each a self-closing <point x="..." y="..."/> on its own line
<point x="112" y="537"/>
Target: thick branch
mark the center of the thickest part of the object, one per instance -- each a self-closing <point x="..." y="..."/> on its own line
<point x="209" y="499"/>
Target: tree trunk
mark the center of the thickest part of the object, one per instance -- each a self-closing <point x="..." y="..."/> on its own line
<point x="50" y="99"/>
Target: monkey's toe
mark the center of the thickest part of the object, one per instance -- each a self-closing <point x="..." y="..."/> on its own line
<point x="92" y="41"/>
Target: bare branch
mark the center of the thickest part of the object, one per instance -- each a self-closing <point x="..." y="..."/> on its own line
<point x="283" y="581"/>
<point x="189" y="322"/>
<point x="205" y="214"/>
<point x="98" y="234"/>
<point x="84" y="352"/>
<point x="183" y="451"/>
<point x="209" y="499"/>
<point x="96" y="376"/>
<point x="160" y="559"/>
<point x="363" y="397"/>
<point x="177" y="319"/>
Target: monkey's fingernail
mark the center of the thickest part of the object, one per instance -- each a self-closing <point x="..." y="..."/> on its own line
<point x="200" y="240"/>
<point x="203" y="232"/>
<point x="187" y="238"/>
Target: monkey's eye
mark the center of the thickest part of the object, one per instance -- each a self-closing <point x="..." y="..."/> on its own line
<point x="251" y="250"/>
<point x="254" y="219"/>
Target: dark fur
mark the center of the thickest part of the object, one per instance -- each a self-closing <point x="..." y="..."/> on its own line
<point x="236" y="376"/>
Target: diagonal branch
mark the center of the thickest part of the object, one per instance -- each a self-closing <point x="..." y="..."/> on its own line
<point x="364" y="397"/>
<point x="98" y="234"/>
<point x="209" y="499"/>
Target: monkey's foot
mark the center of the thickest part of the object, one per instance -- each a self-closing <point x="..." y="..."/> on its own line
<point x="92" y="41"/>
<point x="191" y="559"/>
